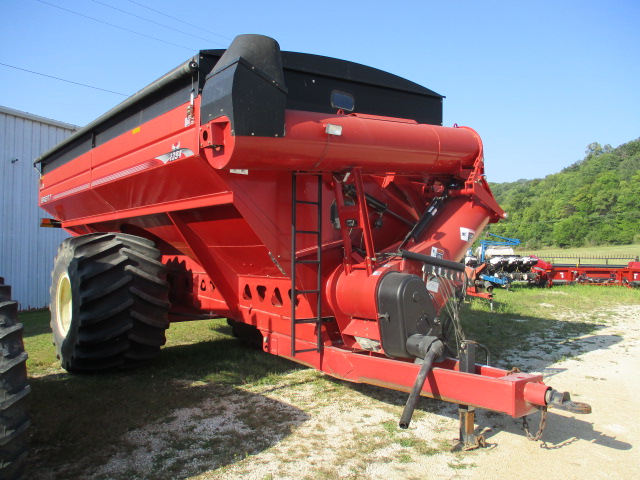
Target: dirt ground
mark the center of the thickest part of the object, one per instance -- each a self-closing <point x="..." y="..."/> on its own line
<point x="327" y="429"/>
<point x="604" y="444"/>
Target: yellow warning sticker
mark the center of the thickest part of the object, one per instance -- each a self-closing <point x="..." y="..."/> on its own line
<point x="135" y="130"/>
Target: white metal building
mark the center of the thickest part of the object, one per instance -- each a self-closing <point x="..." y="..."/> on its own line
<point x="26" y="250"/>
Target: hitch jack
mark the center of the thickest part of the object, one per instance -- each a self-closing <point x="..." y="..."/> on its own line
<point x="468" y="440"/>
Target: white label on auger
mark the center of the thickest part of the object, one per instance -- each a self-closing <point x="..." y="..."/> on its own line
<point x="433" y="285"/>
<point x="466" y="234"/>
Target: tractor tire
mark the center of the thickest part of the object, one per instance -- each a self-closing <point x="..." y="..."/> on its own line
<point x="14" y="415"/>
<point x="109" y="302"/>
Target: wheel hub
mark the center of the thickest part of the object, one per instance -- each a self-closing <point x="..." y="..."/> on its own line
<point x="64" y="304"/>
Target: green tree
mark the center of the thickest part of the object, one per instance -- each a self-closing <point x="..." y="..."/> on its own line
<point x="570" y="232"/>
<point x="596" y="200"/>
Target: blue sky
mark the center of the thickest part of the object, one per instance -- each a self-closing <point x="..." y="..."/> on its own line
<point x="539" y="80"/>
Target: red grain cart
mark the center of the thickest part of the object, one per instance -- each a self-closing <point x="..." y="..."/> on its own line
<point x="316" y="203"/>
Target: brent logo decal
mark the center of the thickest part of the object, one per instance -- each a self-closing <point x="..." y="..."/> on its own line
<point x="175" y="153"/>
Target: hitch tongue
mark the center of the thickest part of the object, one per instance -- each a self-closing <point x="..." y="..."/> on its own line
<point x="428" y="348"/>
<point x="562" y="401"/>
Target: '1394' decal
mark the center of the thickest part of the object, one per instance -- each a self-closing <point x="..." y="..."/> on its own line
<point x="175" y="153"/>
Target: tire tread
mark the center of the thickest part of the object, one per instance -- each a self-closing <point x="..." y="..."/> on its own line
<point x="14" y="415"/>
<point x="123" y="301"/>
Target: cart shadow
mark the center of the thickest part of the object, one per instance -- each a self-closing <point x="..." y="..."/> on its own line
<point x="167" y="420"/>
<point x="560" y="430"/>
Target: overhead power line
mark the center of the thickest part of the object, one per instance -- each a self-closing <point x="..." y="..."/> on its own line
<point x="64" y="80"/>
<point x="117" y="26"/>
<point x="181" y="21"/>
<point x="157" y="23"/>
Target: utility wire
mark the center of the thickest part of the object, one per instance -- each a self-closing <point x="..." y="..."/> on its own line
<point x="116" y="26"/>
<point x="157" y="23"/>
<point x="181" y="21"/>
<point x="64" y="80"/>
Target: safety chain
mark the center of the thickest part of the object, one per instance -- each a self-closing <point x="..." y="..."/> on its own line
<point x="543" y="424"/>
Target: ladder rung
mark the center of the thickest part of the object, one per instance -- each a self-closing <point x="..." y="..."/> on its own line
<point x="297" y="262"/>
<point x="316" y="320"/>
<point x="308" y="350"/>
<point x="307" y="291"/>
<point x="310" y="232"/>
<point x="309" y="320"/>
<point x="307" y="202"/>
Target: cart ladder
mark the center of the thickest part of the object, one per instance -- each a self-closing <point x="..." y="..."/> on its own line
<point x="296" y="231"/>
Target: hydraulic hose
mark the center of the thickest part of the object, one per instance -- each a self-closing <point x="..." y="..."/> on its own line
<point x="435" y="350"/>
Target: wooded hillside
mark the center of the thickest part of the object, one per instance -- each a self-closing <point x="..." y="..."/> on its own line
<point x="595" y="201"/>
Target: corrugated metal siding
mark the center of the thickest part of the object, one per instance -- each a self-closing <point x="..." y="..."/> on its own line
<point x="26" y="250"/>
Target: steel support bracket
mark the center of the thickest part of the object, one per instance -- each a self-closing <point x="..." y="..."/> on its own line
<point x="468" y="439"/>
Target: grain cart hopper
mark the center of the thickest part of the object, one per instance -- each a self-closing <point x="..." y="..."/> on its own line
<point x="317" y="204"/>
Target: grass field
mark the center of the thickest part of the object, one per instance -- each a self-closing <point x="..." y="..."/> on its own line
<point x="81" y="420"/>
<point x="592" y="255"/>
